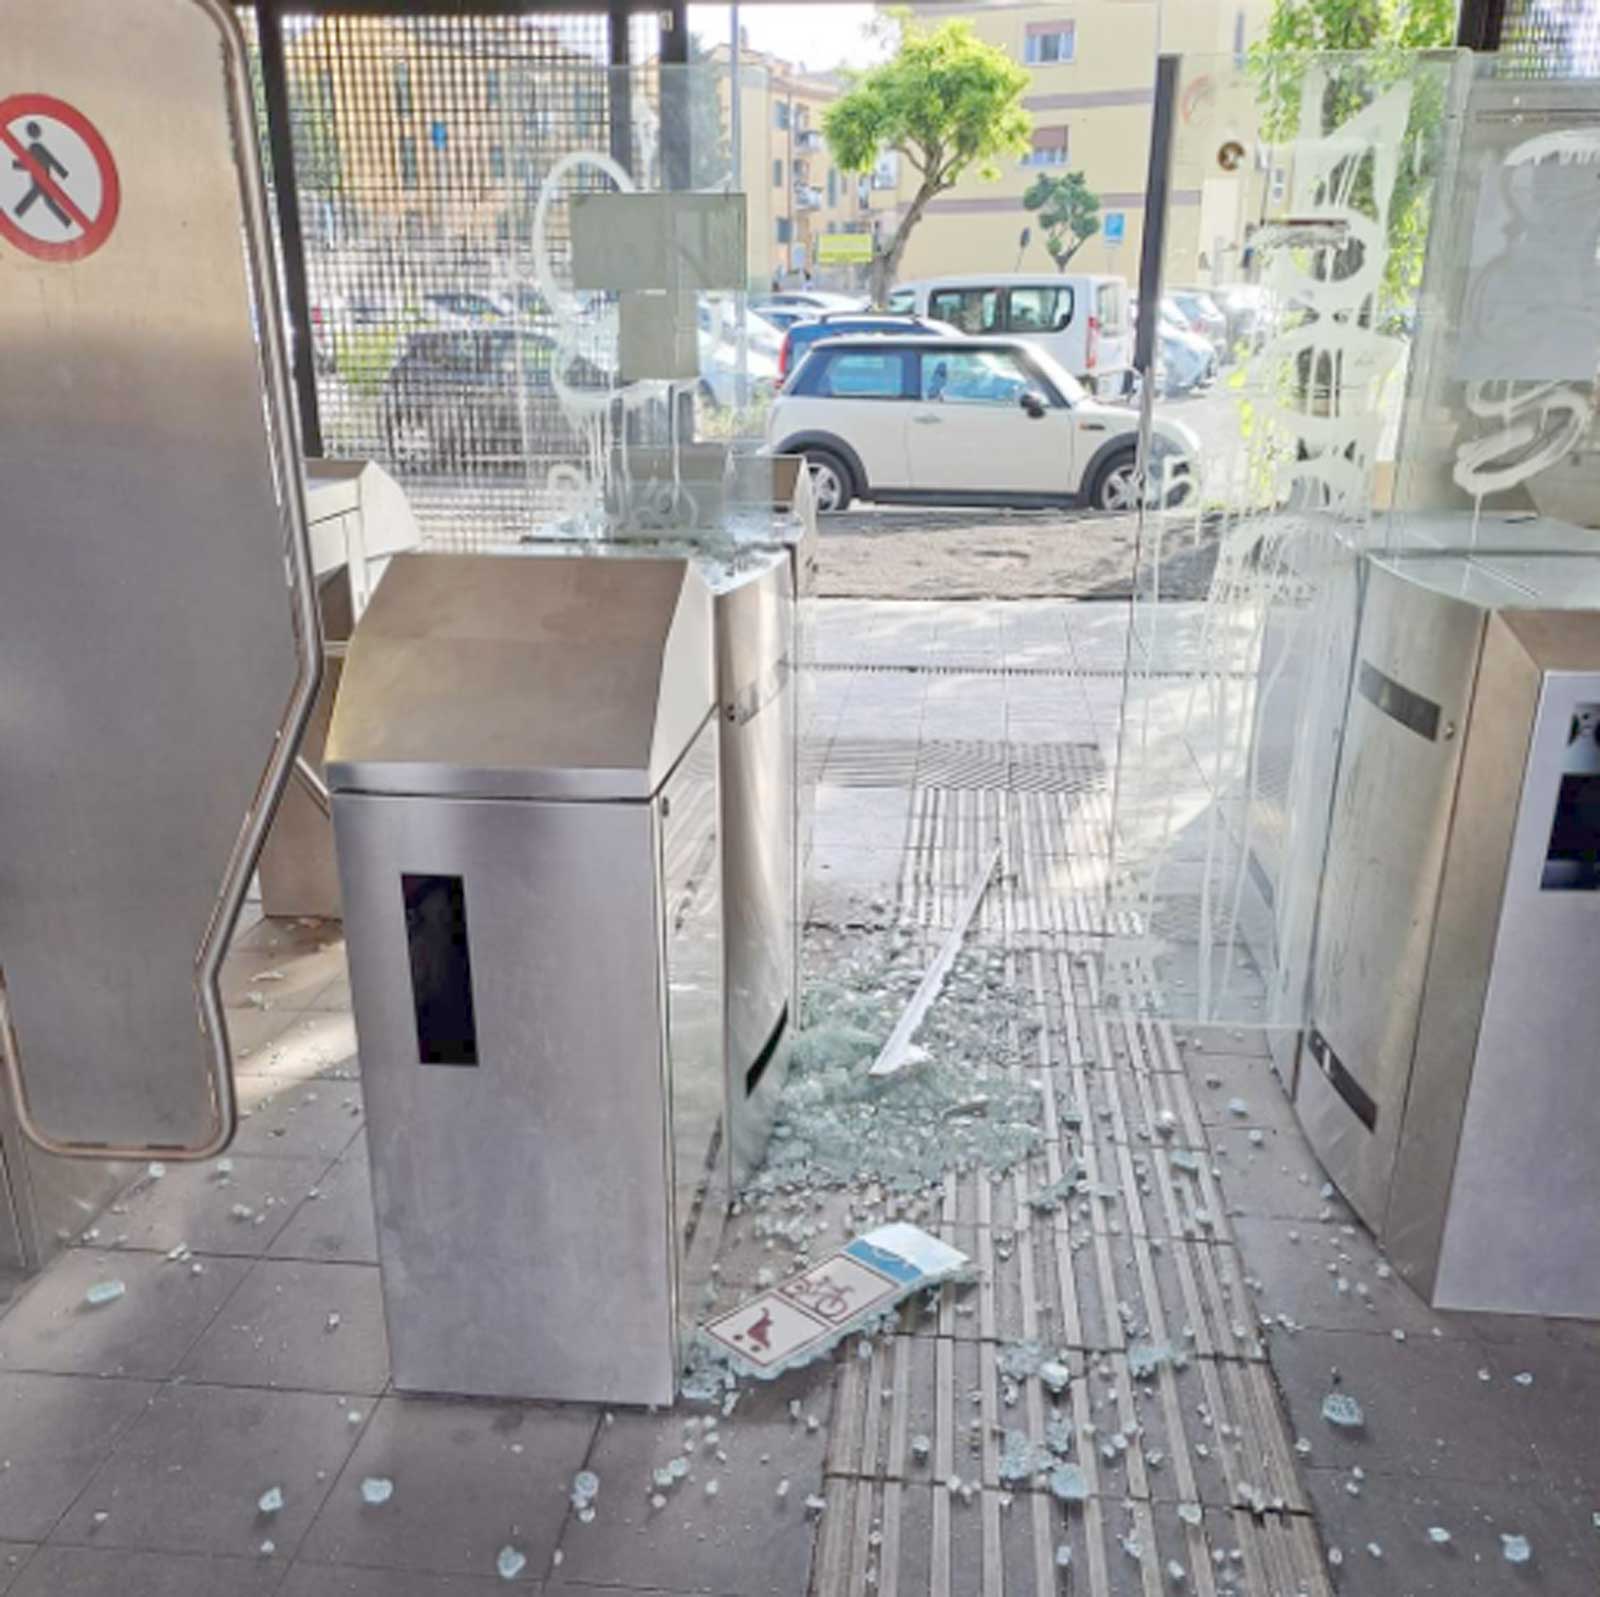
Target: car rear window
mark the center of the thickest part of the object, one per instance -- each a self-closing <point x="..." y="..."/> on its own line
<point x="862" y="374"/>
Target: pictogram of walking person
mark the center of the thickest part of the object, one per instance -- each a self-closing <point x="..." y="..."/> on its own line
<point x="44" y="164"/>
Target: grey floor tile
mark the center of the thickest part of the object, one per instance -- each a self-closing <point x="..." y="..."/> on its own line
<point x="290" y="974"/>
<point x="337" y="1224"/>
<point x="313" y="1119"/>
<point x="188" y="1475"/>
<point x="252" y="1032"/>
<point x="275" y="1331"/>
<point x="1562" y="1406"/>
<point x="145" y="1332"/>
<point x="744" y="1539"/>
<point x="1427" y="1413"/>
<point x="469" y="1478"/>
<point x="862" y="817"/>
<point x="568" y="1588"/>
<point x="1280" y="1179"/>
<point x="318" y="1042"/>
<point x="55" y="1431"/>
<point x="13" y="1555"/>
<point x="201" y="1204"/>
<point x="104" y="1572"/>
<point x="286" y="934"/>
<point x="1247" y="1078"/>
<point x="1398" y="1513"/>
<point x="1301" y="1265"/>
<point x="329" y="1580"/>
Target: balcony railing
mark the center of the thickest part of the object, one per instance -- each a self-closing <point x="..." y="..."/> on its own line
<point x="807" y="198"/>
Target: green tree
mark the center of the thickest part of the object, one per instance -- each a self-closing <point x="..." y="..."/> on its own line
<point x="1384" y="32"/>
<point x="1069" y="213"/>
<point x="710" y="147"/>
<point x="947" y="103"/>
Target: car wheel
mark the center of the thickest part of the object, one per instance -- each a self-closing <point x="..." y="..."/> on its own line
<point x="830" y="481"/>
<point x="1116" y="484"/>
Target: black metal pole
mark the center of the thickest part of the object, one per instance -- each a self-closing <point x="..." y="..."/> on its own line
<point x="1153" y="242"/>
<point x="291" y="238"/>
<point x="676" y="166"/>
<point x="620" y="98"/>
<point x="1480" y="24"/>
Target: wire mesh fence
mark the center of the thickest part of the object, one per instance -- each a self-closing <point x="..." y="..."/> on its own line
<point x="1551" y="39"/>
<point x="435" y="158"/>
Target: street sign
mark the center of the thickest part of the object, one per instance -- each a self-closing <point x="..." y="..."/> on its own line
<point x="844" y="249"/>
<point x="1115" y="226"/>
<point x="438" y="135"/>
<point x="59" y="191"/>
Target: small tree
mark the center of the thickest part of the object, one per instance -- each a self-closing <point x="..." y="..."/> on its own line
<point x="947" y="103"/>
<point x="1069" y="213"/>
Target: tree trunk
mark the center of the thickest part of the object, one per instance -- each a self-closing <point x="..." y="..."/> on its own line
<point x="886" y="263"/>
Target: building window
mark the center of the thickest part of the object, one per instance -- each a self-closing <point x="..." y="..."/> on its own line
<point x="780" y="110"/>
<point x="497" y="161"/>
<point x="408" y="161"/>
<point x="1238" y="38"/>
<point x="777" y="174"/>
<point x="1049" y="148"/>
<point x="784" y="230"/>
<point x="402" y="88"/>
<point x="502" y="227"/>
<point x="833" y="186"/>
<point x="1050" y="42"/>
<point x="491" y="88"/>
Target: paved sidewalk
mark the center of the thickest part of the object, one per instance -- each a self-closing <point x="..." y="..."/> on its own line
<point x="1199" y="1294"/>
<point x="941" y="555"/>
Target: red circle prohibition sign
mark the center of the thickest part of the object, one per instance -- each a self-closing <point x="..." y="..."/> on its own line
<point x="46" y="184"/>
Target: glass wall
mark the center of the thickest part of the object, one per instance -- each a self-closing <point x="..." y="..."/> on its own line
<point x="459" y="337"/>
<point x="1384" y="347"/>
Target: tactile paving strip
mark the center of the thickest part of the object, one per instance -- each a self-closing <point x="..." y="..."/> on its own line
<point x="1135" y="1286"/>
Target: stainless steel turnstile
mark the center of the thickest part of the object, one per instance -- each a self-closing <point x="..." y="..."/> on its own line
<point x="1451" y="1079"/>
<point x="158" y="630"/>
<point x="758" y="602"/>
<point x="523" y="760"/>
<point x="358" y="520"/>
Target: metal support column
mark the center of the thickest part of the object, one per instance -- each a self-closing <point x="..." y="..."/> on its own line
<point x="620" y="99"/>
<point x="1480" y="24"/>
<point x="291" y="239"/>
<point x="676" y="165"/>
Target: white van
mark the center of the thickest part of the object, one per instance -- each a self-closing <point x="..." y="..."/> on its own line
<point x="1081" y="319"/>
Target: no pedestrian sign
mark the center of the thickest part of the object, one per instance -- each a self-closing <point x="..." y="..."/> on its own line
<point x="59" y="190"/>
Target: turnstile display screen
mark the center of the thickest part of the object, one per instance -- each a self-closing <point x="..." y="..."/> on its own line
<point x="1572" y="861"/>
<point x="441" y="969"/>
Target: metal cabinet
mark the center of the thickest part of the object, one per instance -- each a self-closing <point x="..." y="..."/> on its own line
<point x="524" y="764"/>
<point x="1449" y="1080"/>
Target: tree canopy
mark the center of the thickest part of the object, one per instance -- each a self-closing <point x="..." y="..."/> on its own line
<point x="947" y="103"/>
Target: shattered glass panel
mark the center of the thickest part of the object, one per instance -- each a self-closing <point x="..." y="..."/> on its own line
<point x="1302" y="190"/>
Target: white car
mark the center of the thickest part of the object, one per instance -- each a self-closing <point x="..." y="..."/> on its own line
<point x="965" y="421"/>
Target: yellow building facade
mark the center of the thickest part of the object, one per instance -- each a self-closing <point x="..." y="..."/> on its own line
<point x="798" y="194"/>
<point x="1092" y="66"/>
